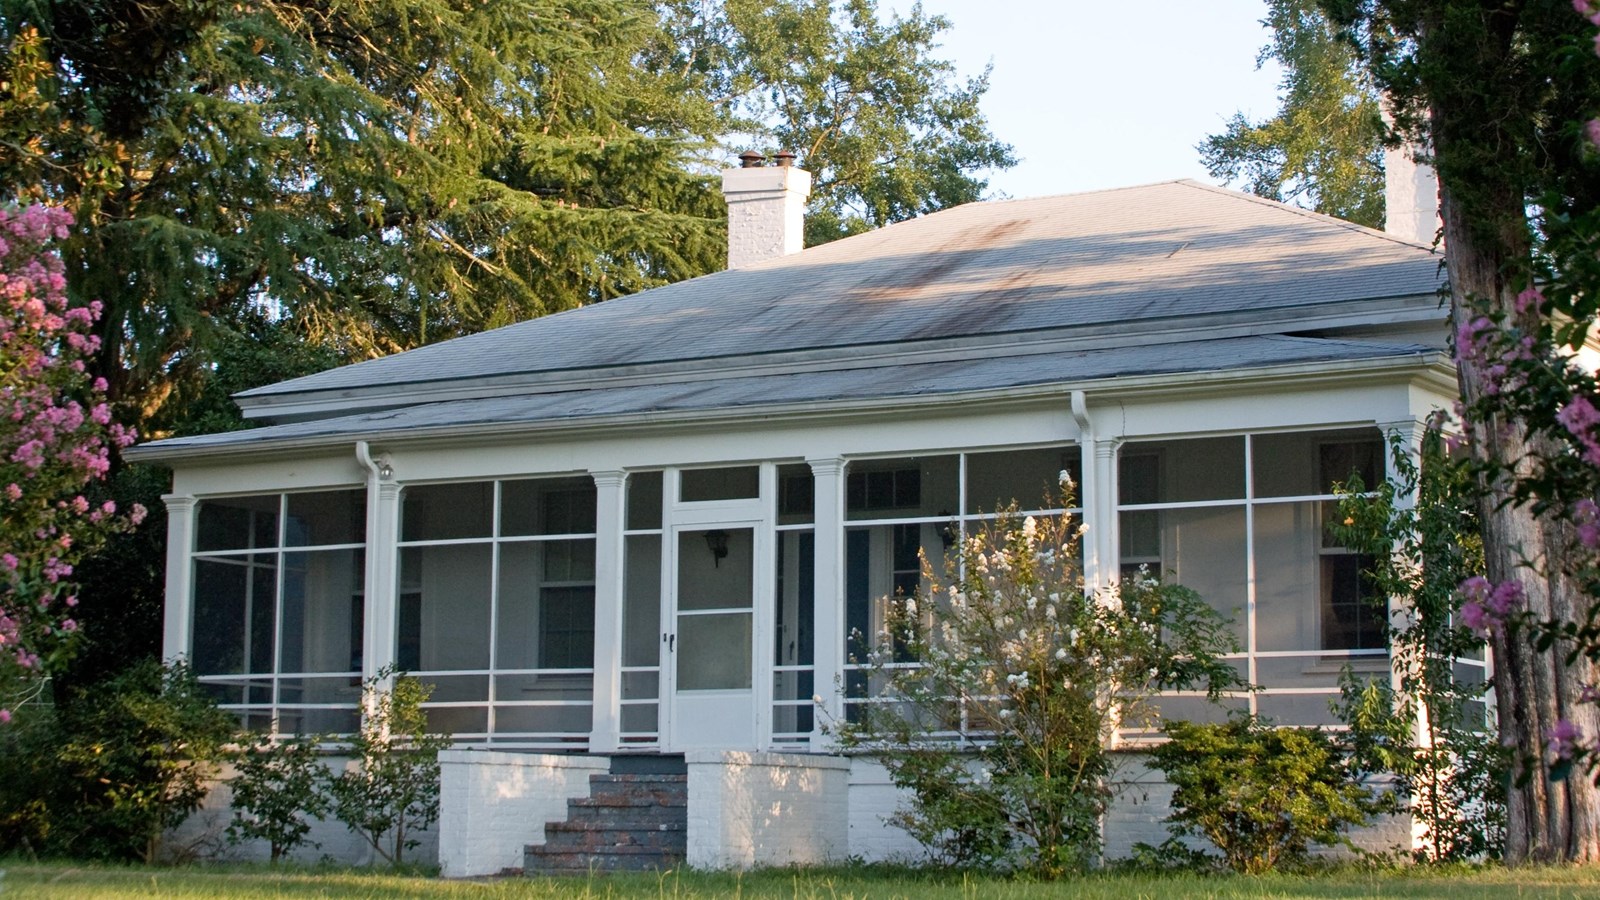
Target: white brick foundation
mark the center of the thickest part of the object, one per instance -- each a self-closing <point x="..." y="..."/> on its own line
<point x="766" y="809"/>
<point x="492" y="804"/>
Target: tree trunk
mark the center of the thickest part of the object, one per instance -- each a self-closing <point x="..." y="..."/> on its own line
<point x="1548" y="821"/>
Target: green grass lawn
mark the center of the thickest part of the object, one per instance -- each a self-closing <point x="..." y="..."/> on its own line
<point x="87" y="882"/>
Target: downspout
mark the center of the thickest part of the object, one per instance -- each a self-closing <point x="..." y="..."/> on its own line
<point x="1089" y="490"/>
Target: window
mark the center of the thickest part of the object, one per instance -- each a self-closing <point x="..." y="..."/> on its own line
<point x="496" y="608"/>
<point x="278" y="598"/>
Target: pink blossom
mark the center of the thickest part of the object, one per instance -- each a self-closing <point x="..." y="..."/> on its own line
<point x="5" y="716"/>
<point x="1592" y="131"/>
<point x="1587" y="514"/>
<point x="1486" y="606"/>
<point x="1530" y="299"/>
<point x="1563" y="738"/>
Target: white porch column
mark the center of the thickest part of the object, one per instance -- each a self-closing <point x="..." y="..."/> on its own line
<point x="1098" y="497"/>
<point x="828" y="565"/>
<point x="180" y="596"/>
<point x="1401" y="615"/>
<point x="383" y="532"/>
<point x="610" y="510"/>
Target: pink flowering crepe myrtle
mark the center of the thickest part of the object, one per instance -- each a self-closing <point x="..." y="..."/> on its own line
<point x="56" y="435"/>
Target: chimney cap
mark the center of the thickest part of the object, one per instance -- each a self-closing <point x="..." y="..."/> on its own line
<point x="750" y="159"/>
<point x="784" y="158"/>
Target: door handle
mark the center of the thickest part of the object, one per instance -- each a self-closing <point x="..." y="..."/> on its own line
<point x="672" y="640"/>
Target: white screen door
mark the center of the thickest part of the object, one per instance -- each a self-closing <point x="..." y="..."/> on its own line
<point x="711" y="638"/>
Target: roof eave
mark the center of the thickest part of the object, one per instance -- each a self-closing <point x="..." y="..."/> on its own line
<point x="334" y="402"/>
<point x="1433" y="367"/>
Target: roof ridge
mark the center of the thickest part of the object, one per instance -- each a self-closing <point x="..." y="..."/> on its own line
<point x="1301" y="211"/>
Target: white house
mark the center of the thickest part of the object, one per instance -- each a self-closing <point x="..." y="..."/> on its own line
<point x="648" y="527"/>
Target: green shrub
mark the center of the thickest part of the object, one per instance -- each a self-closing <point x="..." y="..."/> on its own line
<point x="113" y="767"/>
<point x="275" y="788"/>
<point x="1261" y="795"/>
<point x="393" y="791"/>
<point x="999" y="732"/>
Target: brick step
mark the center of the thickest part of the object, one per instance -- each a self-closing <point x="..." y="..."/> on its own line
<point x="629" y="847"/>
<point x="618" y="838"/>
<point x="584" y="863"/>
<point x="631" y="822"/>
<point x="644" y="814"/>
<point x="634" y="798"/>
<point x="621" y="851"/>
<point x="571" y="827"/>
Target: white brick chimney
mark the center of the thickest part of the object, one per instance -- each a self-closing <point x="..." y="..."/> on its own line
<point x="1410" y="196"/>
<point x="766" y="208"/>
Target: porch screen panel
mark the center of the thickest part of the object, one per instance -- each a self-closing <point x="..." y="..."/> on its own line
<point x="899" y="510"/>
<point x="496" y="608"/>
<point x="716" y="612"/>
<point x="641" y="612"/>
<point x="1028" y="478"/>
<point x="278" y="598"/>
<point x="794" y="612"/>
<point x="1243" y="521"/>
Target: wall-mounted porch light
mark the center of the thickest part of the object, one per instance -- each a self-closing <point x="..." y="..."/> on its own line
<point x="950" y="534"/>
<point x="717" y="540"/>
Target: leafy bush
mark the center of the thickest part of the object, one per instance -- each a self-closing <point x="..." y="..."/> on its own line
<point x="394" y="790"/>
<point x="275" y="788"/>
<point x="112" y="768"/>
<point x="1434" y="735"/>
<point x="1000" y="730"/>
<point x="1261" y="795"/>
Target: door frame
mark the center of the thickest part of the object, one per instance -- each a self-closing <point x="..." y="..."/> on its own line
<point x="759" y="516"/>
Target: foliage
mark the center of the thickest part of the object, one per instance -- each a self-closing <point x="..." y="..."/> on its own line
<point x="275" y="788"/>
<point x="469" y="170"/>
<point x="1012" y="652"/>
<point x="393" y="789"/>
<point x="1500" y="94"/>
<point x="1261" y="795"/>
<point x="1324" y="147"/>
<point x="107" y="772"/>
<point x="1433" y="736"/>
<point x="884" y="126"/>
<point x="55" y="442"/>
<point x="484" y="163"/>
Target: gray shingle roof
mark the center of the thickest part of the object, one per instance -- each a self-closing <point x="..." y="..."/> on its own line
<point x="1131" y="256"/>
<point x="576" y="407"/>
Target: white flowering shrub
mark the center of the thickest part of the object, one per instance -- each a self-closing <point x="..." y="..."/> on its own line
<point x="1001" y="731"/>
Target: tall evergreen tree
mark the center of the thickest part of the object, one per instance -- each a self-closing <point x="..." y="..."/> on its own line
<point x="381" y="173"/>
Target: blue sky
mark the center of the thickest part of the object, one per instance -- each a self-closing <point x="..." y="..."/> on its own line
<point x="1097" y="94"/>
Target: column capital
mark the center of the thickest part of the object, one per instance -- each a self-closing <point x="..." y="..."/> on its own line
<point x="1411" y="429"/>
<point x="608" y="477"/>
<point x="1106" y="448"/>
<point x="826" y="465"/>
<point x="179" y="502"/>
